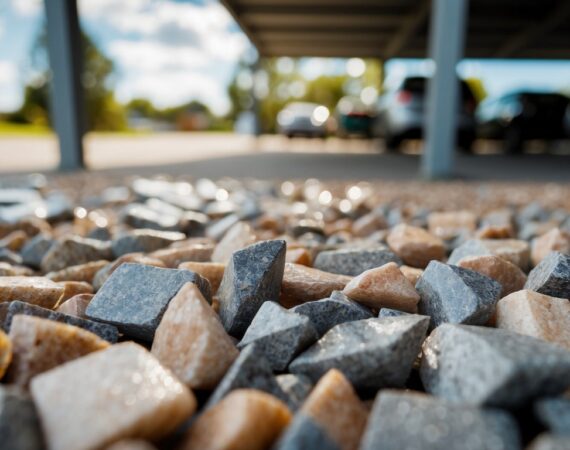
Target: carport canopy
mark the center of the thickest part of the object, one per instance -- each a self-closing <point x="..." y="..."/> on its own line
<point x="400" y="28"/>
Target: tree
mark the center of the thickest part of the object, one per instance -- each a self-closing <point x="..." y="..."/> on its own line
<point x="103" y="111"/>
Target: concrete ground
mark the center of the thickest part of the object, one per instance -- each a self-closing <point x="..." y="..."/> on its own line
<point x="225" y="154"/>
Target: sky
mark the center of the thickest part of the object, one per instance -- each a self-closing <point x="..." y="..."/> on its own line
<point x="172" y="52"/>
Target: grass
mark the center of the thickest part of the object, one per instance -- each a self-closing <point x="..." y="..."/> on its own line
<point x="21" y="129"/>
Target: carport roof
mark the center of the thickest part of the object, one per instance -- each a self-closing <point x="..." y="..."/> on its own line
<point x="399" y="28"/>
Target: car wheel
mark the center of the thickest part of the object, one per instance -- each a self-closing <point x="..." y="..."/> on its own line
<point x="513" y="141"/>
<point x="393" y="143"/>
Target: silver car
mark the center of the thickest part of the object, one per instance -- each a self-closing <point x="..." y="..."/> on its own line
<point x="401" y="114"/>
<point x="303" y="119"/>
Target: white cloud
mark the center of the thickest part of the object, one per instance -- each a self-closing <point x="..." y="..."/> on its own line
<point x="27" y="7"/>
<point x="169" y="88"/>
<point x="169" y="52"/>
<point x="10" y="89"/>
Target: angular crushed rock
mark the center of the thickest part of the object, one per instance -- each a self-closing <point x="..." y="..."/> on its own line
<point x="144" y="240"/>
<point x="493" y="367"/>
<point x="135" y="297"/>
<point x="372" y="353"/>
<point x="75" y="250"/>
<point x="279" y="334"/>
<point x="297" y="387"/>
<point x="456" y="295"/>
<point x="252" y="277"/>
<point x="551" y="276"/>
<point x="402" y="420"/>
<point x="328" y="312"/>
<point x="250" y="370"/>
<point x="354" y="261"/>
<point x="19" y="424"/>
<point x="9" y="310"/>
<point x="554" y="413"/>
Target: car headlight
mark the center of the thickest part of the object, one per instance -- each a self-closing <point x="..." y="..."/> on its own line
<point x="320" y="115"/>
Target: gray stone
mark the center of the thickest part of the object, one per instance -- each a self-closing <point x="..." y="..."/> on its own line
<point x="371" y="353"/>
<point x="328" y="312"/>
<point x="250" y="370"/>
<point x="305" y="433"/>
<point x="389" y="312"/>
<point x="35" y="249"/>
<point x="489" y="366"/>
<point x="145" y="241"/>
<point x="142" y="216"/>
<point x="554" y="413"/>
<point x="550" y="442"/>
<point x="135" y="297"/>
<point x="456" y="295"/>
<point x="471" y="247"/>
<point x="252" y="276"/>
<point x="75" y="250"/>
<point x="10" y="257"/>
<point x="297" y="387"/>
<point x="551" y="276"/>
<point x="354" y="261"/>
<point x="9" y="310"/>
<point x="280" y="335"/>
<point x="407" y="420"/>
<point x="19" y="424"/>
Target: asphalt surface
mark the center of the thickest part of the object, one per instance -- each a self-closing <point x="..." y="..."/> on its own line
<point x="218" y="155"/>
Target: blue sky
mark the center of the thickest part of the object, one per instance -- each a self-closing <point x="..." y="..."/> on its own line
<point x="173" y="51"/>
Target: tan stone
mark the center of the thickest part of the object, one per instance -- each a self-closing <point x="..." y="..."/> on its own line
<point x="237" y="237"/>
<point x="299" y="256"/>
<point x="76" y="305"/>
<point x="41" y="344"/>
<point x="383" y="287"/>
<point x="541" y="316"/>
<point x="81" y="272"/>
<point x="246" y="419"/>
<point x="8" y="270"/>
<point x="556" y="240"/>
<point x="73" y="288"/>
<point x="510" y="276"/>
<point x="14" y="241"/>
<point x="447" y="225"/>
<point x="213" y="272"/>
<point x="368" y="224"/>
<point x="192" y="342"/>
<point x="118" y="393"/>
<point x="495" y="232"/>
<point x="513" y="250"/>
<point x="131" y="444"/>
<point x="30" y="225"/>
<point x="303" y="284"/>
<point x="5" y="353"/>
<point x="413" y="274"/>
<point x="137" y="258"/>
<point x="415" y="246"/>
<point x="35" y="290"/>
<point x="336" y="408"/>
<point x="173" y="257"/>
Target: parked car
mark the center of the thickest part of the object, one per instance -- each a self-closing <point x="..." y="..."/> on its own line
<point x="303" y="119"/>
<point x="353" y="117"/>
<point x="521" y="116"/>
<point x="401" y="113"/>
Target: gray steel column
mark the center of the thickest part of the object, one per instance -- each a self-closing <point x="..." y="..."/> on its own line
<point x="256" y="106"/>
<point x="66" y="102"/>
<point x="447" y="34"/>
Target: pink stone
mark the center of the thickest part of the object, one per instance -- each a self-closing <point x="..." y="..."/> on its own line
<point x="510" y="276"/>
<point x="383" y="287"/>
<point x="556" y="240"/>
<point x="415" y="246"/>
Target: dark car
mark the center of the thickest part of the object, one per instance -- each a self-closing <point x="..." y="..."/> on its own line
<point x="353" y="117"/>
<point x="401" y="113"/>
<point x="521" y="116"/>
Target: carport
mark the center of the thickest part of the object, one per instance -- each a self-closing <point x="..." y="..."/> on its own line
<point x="444" y="30"/>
